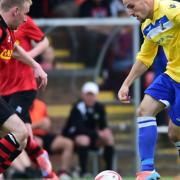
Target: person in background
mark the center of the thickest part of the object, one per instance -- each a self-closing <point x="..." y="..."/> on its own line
<point x="95" y="8"/>
<point x="87" y="127"/>
<point x="53" y="143"/>
<point x="47" y="59"/>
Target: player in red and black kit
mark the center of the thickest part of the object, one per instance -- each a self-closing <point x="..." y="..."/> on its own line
<point x="20" y="91"/>
<point x="12" y="14"/>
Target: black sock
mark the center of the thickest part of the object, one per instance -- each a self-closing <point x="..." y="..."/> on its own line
<point x="83" y="157"/>
<point x="108" y="156"/>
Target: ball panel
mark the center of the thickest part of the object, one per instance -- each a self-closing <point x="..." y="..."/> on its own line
<point x="108" y="175"/>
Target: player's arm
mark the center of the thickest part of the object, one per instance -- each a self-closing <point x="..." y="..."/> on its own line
<point x="21" y="55"/>
<point x="137" y="70"/>
<point x="39" y="47"/>
<point x="144" y="60"/>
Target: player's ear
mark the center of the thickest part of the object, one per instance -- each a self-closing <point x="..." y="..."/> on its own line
<point x="15" y="11"/>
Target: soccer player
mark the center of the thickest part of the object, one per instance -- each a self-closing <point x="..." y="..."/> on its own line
<point x="13" y="13"/>
<point x="20" y="91"/>
<point x="160" y="26"/>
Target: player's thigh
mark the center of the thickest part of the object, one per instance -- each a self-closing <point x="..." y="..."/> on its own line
<point x="21" y="102"/>
<point x="174" y="111"/>
<point x="10" y="122"/>
<point x="5" y="111"/>
<point x="158" y="95"/>
<point x="17" y="127"/>
<point x="150" y="106"/>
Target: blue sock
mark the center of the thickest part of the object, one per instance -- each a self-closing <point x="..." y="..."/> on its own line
<point x="147" y="141"/>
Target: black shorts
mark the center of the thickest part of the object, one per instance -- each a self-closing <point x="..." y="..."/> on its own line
<point x="47" y="141"/>
<point x="21" y="103"/>
<point x="5" y="111"/>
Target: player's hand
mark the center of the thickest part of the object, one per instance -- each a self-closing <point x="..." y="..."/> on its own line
<point x="123" y="94"/>
<point x="40" y="74"/>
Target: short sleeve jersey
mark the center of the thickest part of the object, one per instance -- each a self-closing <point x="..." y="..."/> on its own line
<point x="17" y="76"/>
<point x="163" y="30"/>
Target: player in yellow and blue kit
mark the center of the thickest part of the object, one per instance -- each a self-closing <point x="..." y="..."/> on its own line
<point x="160" y="27"/>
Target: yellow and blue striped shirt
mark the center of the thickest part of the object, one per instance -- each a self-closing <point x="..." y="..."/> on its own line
<point x="163" y="29"/>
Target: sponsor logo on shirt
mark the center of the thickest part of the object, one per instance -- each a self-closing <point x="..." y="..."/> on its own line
<point x="6" y="54"/>
<point x="172" y="6"/>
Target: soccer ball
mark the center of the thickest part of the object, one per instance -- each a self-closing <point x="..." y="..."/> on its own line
<point x="108" y="175"/>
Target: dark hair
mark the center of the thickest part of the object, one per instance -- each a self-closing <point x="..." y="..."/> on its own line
<point x="8" y="4"/>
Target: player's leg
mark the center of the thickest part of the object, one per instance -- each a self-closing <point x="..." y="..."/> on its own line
<point x="16" y="136"/>
<point x="21" y="102"/>
<point x="107" y="140"/>
<point x="158" y="95"/>
<point x="147" y="135"/>
<point x="82" y="143"/>
<point x="174" y="123"/>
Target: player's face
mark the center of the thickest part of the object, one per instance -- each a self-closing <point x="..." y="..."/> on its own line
<point x="89" y="99"/>
<point x="20" y="15"/>
<point x="138" y="9"/>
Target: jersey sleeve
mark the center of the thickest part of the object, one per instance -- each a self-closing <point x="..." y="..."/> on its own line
<point x="33" y="31"/>
<point x="147" y="52"/>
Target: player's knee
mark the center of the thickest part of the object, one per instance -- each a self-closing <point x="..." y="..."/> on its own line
<point x="21" y="136"/>
<point x="141" y="111"/>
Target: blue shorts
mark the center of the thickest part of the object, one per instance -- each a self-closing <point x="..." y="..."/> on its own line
<point x="167" y="91"/>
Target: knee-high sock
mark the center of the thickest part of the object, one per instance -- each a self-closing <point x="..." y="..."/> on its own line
<point x="147" y="141"/>
<point x="108" y="156"/>
<point x="83" y="157"/>
<point x="8" y="151"/>
<point x="33" y="149"/>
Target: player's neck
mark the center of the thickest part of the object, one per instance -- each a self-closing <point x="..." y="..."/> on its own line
<point x="151" y="12"/>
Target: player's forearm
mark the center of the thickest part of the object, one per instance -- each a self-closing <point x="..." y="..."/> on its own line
<point x="137" y="70"/>
<point x="39" y="48"/>
<point x="21" y="55"/>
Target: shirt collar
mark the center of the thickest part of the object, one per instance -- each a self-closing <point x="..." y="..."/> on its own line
<point x="3" y="23"/>
<point x="156" y="7"/>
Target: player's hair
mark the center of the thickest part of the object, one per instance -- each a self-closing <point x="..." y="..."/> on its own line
<point x="6" y="5"/>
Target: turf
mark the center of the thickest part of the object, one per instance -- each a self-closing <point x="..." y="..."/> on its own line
<point x="133" y="178"/>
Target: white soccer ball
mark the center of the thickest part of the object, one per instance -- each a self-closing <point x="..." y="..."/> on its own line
<point x="108" y="175"/>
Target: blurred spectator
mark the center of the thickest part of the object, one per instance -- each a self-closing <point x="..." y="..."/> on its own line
<point x="66" y="8"/>
<point x="87" y="126"/>
<point x="120" y="58"/>
<point x="95" y="8"/>
<point x="47" y="59"/>
<point x="53" y="143"/>
<point x="116" y="8"/>
<point x="42" y="8"/>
